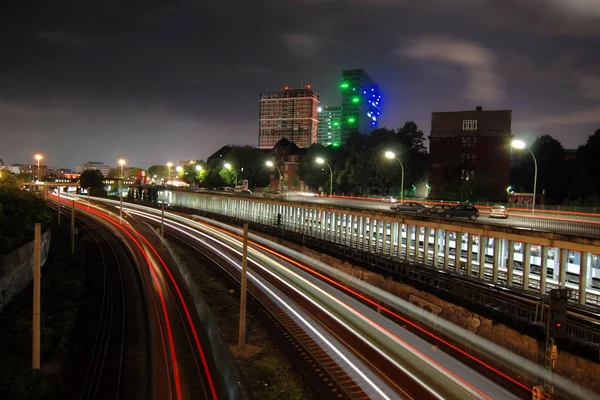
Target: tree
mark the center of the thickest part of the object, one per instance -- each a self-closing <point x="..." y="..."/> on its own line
<point x="313" y="174"/>
<point x="550" y="156"/>
<point x="91" y="178"/>
<point x="8" y="180"/>
<point x="588" y="166"/>
<point x="161" y="171"/>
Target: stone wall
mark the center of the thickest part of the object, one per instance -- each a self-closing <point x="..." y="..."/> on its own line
<point x="16" y="269"/>
<point x="581" y="371"/>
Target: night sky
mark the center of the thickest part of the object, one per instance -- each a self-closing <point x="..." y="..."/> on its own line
<point x="154" y="83"/>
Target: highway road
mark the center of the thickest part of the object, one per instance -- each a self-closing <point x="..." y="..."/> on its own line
<point x="429" y="367"/>
<point x="181" y="359"/>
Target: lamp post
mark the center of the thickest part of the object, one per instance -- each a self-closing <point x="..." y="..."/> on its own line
<point x="391" y="156"/>
<point x="229" y="167"/>
<point x="520" y="145"/>
<point x="169" y="165"/>
<point x="270" y="164"/>
<point x="322" y="161"/>
<point x="121" y="163"/>
<point x="38" y="157"/>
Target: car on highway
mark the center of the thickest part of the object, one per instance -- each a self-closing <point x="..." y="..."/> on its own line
<point x="434" y="210"/>
<point x="462" y="211"/>
<point x="244" y="192"/>
<point x="498" y="211"/>
<point x="407" y="206"/>
<point x="275" y="194"/>
<point x="389" y="199"/>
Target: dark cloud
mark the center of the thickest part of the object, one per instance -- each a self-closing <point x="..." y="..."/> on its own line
<point x="154" y="80"/>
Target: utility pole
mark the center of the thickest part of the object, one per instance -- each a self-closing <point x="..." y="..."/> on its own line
<point x="162" y="220"/>
<point x="242" y="338"/>
<point x="37" y="240"/>
<point x="73" y="227"/>
<point x="58" y="205"/>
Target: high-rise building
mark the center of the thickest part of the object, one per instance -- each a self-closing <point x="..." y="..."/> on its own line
<point x="330" y="126"/>
<point x="465" y="145"/>
<point x="291" y="114"/>
<point x="361" y="101"/>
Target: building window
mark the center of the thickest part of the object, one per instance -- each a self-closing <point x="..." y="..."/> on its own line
<point x="469" y="125"/>
<point x="469" y="141"/>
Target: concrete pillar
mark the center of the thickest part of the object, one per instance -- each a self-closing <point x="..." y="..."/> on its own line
<point x="563" y="263"/>
<point x="409" y="233"/>
<point x="436" y="246"/>
<point x="446" y="248"/>
<point x="417" y="243"/>
<point x="394" y="245"/>
<point x="426" y="246"/>
<point x="386" y="237"/>
<point x="349" y="228"/>
<point x="457" y="250"/>
<point x="584" y="266"/>
<point x="366" y="233"/>
<point x="543" y="269"/>
<point x="509" y="263"/>
<point x="482" y="251"/>
<point x="469" y="253"/>
<point x="526" y="264"/>
<point x="497" y="257"/>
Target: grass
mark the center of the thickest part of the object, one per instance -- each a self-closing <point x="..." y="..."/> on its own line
<point x="269" y="373"/>
<point x="62" y="282"/>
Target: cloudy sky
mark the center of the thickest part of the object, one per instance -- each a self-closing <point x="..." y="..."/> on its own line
<point x="154" y="81"/>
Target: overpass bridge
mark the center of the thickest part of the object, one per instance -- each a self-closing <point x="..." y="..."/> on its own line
<point x="529" y="260"/>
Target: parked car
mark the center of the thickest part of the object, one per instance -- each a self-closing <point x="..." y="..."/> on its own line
<point x="389" y="199"/>
<point x="498" y="211"/>
<point x="435" y="210"/>
<point x="407" y="206"/>
<point x="462" y="211"/>
<point x="245" y="192"/>
<point x="228" y="189"/>
<point x="275" y="194"/>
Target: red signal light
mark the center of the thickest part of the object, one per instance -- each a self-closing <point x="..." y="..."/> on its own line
<point x="558" y="325"/>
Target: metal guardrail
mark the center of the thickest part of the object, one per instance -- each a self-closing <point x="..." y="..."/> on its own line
<point x="589" y="229"/>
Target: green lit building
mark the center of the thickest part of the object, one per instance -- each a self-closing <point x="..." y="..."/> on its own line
<point x="361" y="101"/>
<point x="330" y="126"/>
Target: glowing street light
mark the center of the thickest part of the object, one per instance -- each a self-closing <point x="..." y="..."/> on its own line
<point x="179" y="168"/>
<point x="321" y="160"/>
<point x="229" y="167"/>
<point x="270" y="164"/>
<point x="121" y="163"/>
<point x="38" y="157"/>
<point x="520" y="145"/>
<point x="198" y="168"/>
<point x="169" y="165"/>
<point x="391" y="156"/>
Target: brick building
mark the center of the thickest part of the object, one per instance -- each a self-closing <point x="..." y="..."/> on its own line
<point x="469" y="144"/>
<point x="286" y="156"/>
<point x="291" y="114"/>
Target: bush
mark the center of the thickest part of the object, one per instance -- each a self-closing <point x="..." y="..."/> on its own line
<point x="19" y="211"/>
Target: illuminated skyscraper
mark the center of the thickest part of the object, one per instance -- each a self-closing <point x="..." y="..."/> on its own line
<point x="291" y="114"/>
<point x="361" y="101"/>
<point x="330" y="126"/>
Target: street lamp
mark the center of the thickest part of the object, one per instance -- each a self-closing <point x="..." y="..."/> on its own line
<point x="38" y="157"/>
<point x="391" y="156"/>
<point x="169" y="165"/>
<point x="121" y="163"/>
<point x="229" y="167"/>
<point x="520" y="145"/>
<point x="270" y="164"/>
<point x="320" y="160"/>
<point x="198" y="168"/>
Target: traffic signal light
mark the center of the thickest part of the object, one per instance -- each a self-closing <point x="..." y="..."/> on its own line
<point x="558" y="313"/>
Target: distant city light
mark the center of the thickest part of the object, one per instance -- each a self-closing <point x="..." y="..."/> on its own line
<point x="344" y="85"/>
<point x="355" y="99"/>
<point x="198" y="167"/>
<point x="320" y="109"/>
<point x="351" y="120"/>
<point x="518" y="144"/>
